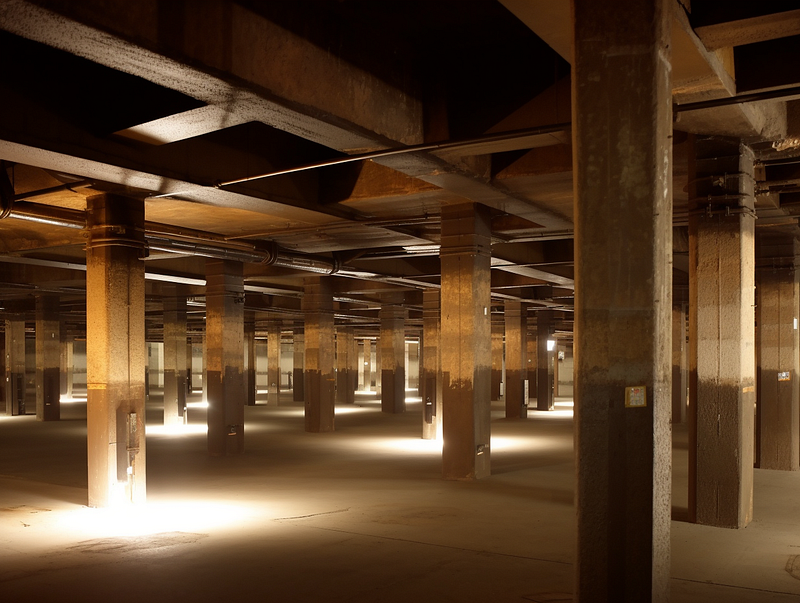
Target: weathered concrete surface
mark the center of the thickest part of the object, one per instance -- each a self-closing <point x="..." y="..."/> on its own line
<point x="320" y="378"/>
<point x="15" y="365"/>
<point x="225" y="357"/>
<point x="274" y="363"/>
<point x="430" y="381"/>
<point x="721" y="333"/>
<point x="516" y="323"/>
<point x="621" y="139"/>
<point x="250" y="358"/>
<point x="498" y="332"/>
<point x="298" y="365"/>
<point x="67" y="362"/>
<point x="533" y="366"/>
<point x="466" y="353"/>
<point x="545" y="375"/>
<point x="680" y="374"/>
<point x="115" y="350"/>
<point x="346" y="363"/>
<point x="174" y="357"/>
<point x="48" y="358"/>
<point x="393" y="358"/>
<point x="778" y="345"/>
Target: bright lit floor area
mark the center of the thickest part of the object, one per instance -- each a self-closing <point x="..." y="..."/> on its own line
<point x="358" y="516"/>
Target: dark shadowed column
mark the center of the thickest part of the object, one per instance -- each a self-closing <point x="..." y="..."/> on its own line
<point x="15" y="365"/>
<point x="544" y="361"/>
<point x="48" y="358"/>
<point x="622" y="126"/>
<point x="516" y="320"/>
<point x="393" y="358"/>
<point x="274" y="363"/>
<point x="778" y="403"/>
<point x="680" y="380"/>
<point x="174" y="356"/>
<point x="430" y="381"/>
<point x="250" y="357"/>
<point x="298" y="366"/>
<point x="115" y="350"/>
<point x="320" y="379"/>
<point x="721" y="332"/>
<point x="466" y="341"/>
<point x="533" y="364"/>
<point x="498" y="332"/>
<point x="225" y="356"/>
<point x="346" y="365"/>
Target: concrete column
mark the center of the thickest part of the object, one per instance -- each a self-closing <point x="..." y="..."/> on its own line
<point x="621" y="129"/>
<point x="250" y="362"/>
<point x="360" y="360"/>
<point x="225" y="357"/>
<point x="320" y="379"/>
<point x="367" y="365"/>
<point x="346" y="365"/>
<point x="466" y="354"/>
<point x="274" y="363"/>
<point x="48" y="359"/>
<point x="412" y="365"/>
<point x="3" y="369"/>
<point x="430" y="382"/>
<point x="498" y="332"/>
<point x="721" y="333"/>
<point x="680" y="381"/>
<point x="377" y="366"/>
<point x="516" y="322"/>
<point x="393" y="354"/>
<point x="533" y="364"/>
<point x="189" y="358"/>
<point x="778" y="403"/>
<point x="67" y="361"/>
<point x="115" y="350"/>
<point x="174" y="357"/>
<point x="15" y="365"/>
<point x="544" y="361"/>
<point x="298" y="368"/>
<point x="204" y="363"/>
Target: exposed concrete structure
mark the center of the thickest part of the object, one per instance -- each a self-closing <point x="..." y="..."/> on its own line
<point x="250" y="362"/>
<point x="545" y="368"/>
<point x="346" y="362"/>
<point x="174" y="358"/>
<point x="430" y="378"/>
<point x="320" y="378"/>
<point x="393" y="358"/>
<point x="298" y="365"/>
<point x="516" y="315"/>
<point x="48" y="358"/>
<point x="274" y="363"/>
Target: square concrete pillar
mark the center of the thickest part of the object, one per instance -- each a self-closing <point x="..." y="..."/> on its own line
<point x="545" y="361"/>
<point x="778" y="355"/>
<point x="346" y="365"/>
<point x="680" y="377"/>
<point x="175" y="368"/>
<point x="621" y="130"/>
<point x="298" y="367"/>
<point x="430" y="381"/>
<point x="320" y="378"/>
<point x="466" y="341"/>
<point x="533" y="366"/>
<point x="498" y="334"/>
<point x="722" y="351"/>
<point x="250" y="361"/>
<point x="393" y="354"/>
<point x="15" y="365"/>
<point x="516" y="323"/>
<point x="368" y="361"/>
<point x="225" y="357"/>
<point x="48" y="358"/>
<point x="274" y="363"/>
<point x="67" y="361"/>
<point x="115" y="350"/>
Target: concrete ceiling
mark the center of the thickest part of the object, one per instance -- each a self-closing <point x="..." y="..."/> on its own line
<point x="166" y="102"/>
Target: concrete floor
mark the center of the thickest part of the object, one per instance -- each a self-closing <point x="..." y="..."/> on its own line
<point x="359" y="515"/>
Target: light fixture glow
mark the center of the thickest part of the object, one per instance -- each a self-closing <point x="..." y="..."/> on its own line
<point x="551" y="345"/>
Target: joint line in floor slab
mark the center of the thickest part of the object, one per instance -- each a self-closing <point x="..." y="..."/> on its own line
<point x="312" y="515"/>
<point x="760" y="590"/>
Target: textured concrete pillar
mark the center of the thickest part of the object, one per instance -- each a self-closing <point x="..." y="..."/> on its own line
<point x="225" y="363"/>
<point x="67" y="361"/>
<point x="621" y="131"/>
<point x="48" y="359"/>
<point x="3" y="369"/>
<point x="320" y="378"/>
<point x="516" y="323"/>
<point x="430" y="381"/>
<point x="346" y="365"/>
<point x="115" y="350"/>
<point x="680" y="377"/>
<point x="189" y="361"/>
<point x="360" y="360"/>
<point x="498" y="333"/>
<point x="298" y="368"/>
<point x="393" y="354"/>
<point x="544" y="361"/>
<point x="778" y="345"/>
<point x="533" y="364"/>
<point x="204" y="364"/>
<point x="274" y="363"/>
<point x="721" y="333"/>
<point x="174" y="356"/>
<point x="15" y="365"/>
<point x="377" y="373"/>
<point x="250" y="362"/>
<point x="368" y="365"/>
<point x="466" y="341"/>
